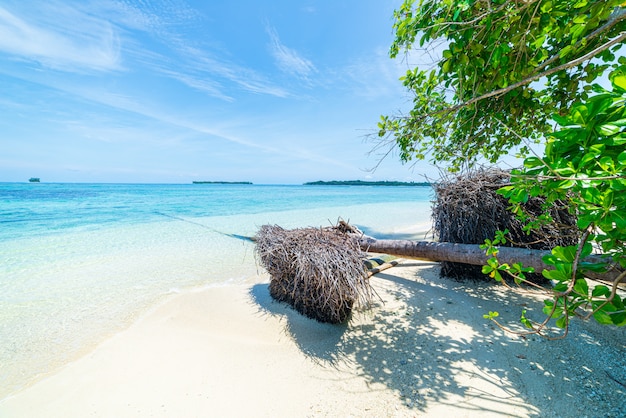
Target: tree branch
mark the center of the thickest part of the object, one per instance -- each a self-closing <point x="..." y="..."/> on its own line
<point x="536" y="77"/>
<point x="614" y="19"/>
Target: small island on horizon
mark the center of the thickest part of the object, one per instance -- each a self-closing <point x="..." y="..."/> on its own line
<point x="221" y="182"/>
<point x="365" y="183"/>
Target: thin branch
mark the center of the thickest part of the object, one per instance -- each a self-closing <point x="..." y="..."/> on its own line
<point x="525" y="142"/>
<point x="608" y="300"/>
<point x="477" y="18"/>
<point x="538" y="76"/>
<point x="558" y="177"/>
<point x="613" y="20"/>
<point x="579" y="250"/>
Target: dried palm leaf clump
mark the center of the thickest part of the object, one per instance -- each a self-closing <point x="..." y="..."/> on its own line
<point x="468" y="210"/>
<point x="318" y="271"/>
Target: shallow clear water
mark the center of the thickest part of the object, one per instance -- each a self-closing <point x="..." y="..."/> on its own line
<point x="79" y="262"/>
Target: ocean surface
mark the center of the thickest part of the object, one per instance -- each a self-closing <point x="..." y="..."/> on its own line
<point x="80" y="262"/>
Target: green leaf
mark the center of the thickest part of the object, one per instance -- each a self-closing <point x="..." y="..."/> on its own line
<point x="581" y="287"/>
<point x="538" y="43"/>
<point x="565" y="253"/>
<point x="602" y="317"/>
<point x="555" y="275"/>
<point x="491" y="315"/>
<point x="601" y="290"/>
<point x="565" y="51"/>
<point x="597" y="267"/>
<point x="532" y="162"/>
<point x="619" y="81"/>
<point x="619" y="319"/>
<point x="549" y="259"/>
<point x="546" y="7"/>
<point x="562" y="120"/>
<point x="562" y="322"/>
<point x="618" y="219"/>
<point x="587" y="250"/>
<point x="525" y="320"/>
<point x="608" y="129"/>
<point x="547" y="309"/>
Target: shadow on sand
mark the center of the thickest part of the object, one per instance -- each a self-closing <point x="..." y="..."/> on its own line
<point x="419" y="346"/>
<point x="430" y="344"/>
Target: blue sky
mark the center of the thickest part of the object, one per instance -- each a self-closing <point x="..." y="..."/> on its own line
<point x="268" y="91"/>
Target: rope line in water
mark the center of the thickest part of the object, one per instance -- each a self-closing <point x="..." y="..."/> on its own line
<point x="241" y="237"/>
<point x="373" y="264"/>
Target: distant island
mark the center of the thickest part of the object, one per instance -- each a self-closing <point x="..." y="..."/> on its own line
<point x="34" y="180"/>
<point x="221" y="182"/>
<point x="365" y="183"/>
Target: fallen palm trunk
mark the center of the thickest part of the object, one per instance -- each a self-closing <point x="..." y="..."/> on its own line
<point x="321" y="273"/>
<point x="473" y="254"/>
<point x="468" y="209"/>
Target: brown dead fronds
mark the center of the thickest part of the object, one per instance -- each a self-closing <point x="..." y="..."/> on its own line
<point x="319" y="271"/>
<point x="468" y="210"/>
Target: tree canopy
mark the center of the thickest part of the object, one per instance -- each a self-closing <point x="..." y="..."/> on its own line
<point x="503" y="68"/>
<point x="512" y="73"/>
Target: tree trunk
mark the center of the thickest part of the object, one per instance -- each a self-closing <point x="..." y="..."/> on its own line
<point x="472" y="254"/>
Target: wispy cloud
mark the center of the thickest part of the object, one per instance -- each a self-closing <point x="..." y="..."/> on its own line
<point x="180" y="125"/>
<point x="78" y="37"/>
<point x="69" y="40"/>
<point x="201" y="64"/>
<point x="198" y="66"/>
<point x="289" y="60"/>
<point x="155" y="17"/>
<point x="203" y="84"/>
<point x="374" y="76"/>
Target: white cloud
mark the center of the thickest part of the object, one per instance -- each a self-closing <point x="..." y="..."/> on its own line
<point x="194" y="64"/>
<point x="154" y="16"/>
<point x="375" y="76"/>
<point x="287" y="59"/>
<point x="75" y="42"/>
<point x="201" y="65"/>
<point x="202" y="84"/>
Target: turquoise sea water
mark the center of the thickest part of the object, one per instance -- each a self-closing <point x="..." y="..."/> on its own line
<point x="79" y="262"/>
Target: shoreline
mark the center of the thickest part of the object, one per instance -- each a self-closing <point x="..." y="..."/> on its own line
<point x="90" y="285"/>
<point x="423" y="350"/>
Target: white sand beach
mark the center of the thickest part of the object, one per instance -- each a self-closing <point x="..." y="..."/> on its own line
<point x="424" y="350"/>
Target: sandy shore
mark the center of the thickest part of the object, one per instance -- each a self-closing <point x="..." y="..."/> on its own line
<point x="425" y="350"/>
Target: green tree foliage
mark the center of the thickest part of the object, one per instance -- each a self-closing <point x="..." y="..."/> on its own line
<point x="514" y="73"/>
<point x="505" y="67"/>
<point x="584" y="164"/>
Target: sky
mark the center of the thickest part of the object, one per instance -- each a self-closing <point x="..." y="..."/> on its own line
<point x="171" y="91"/>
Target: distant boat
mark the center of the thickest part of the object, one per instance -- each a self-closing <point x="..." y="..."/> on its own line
<point x="34" y="180"/>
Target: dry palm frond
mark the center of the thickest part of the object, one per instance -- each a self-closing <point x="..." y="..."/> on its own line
<point x="468" y="210"/>
<point x="319" y="271"/>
